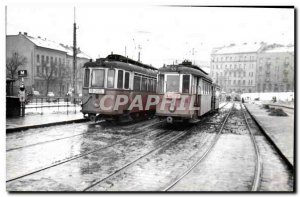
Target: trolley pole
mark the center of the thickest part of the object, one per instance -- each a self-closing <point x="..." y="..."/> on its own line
<point x="74" y="55"/>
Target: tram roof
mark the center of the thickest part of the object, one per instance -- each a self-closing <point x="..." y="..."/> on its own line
<point x="121" y="62"/>
<point x="185" y="68"/>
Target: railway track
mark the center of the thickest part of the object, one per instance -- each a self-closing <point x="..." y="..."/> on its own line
<point x="157" y="148"/>
<point x="264" y="148"/>
<point x="134" y="127"/>
<point x="259" y="161"/>
<point x="143" y="129"/>
<point x="258" y="166"/>
<point x="168" y="187"/>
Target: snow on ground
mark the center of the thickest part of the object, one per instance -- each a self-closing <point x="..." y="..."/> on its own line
<point x="267" y="96"/>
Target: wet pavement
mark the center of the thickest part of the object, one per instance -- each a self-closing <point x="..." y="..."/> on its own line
<point x="38" y="119"/>
<point x="279" y="128"/>
<point x="144" y="156"/>
<point x="276" y="176"/>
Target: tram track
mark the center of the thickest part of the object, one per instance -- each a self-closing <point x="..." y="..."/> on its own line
<point x="89" y="152"/>
<point x="136" y="127"/>
<point x="114" y="178"/>
<point x="128" y="165"/>
<point x="258" y="166"/>
<point x="171" y="185"/>
<point x="260" y="141"/>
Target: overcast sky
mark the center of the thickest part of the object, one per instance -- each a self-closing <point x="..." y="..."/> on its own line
<point x="164" y="34"/>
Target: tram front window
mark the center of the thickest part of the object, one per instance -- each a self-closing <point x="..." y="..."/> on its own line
<point x="98" y="78"/>
<point x="172" y="83"/>
<point x="110" y="78"/>
<point x="185" y="83"/>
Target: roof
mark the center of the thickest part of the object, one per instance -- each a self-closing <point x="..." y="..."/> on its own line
<point x="243" y="48"/>
<point x="110" y="62"/>
<point x="185" y="68"/>
<point x="288" y="49"/>
<point x="45" y="43"/>
<point x="80" y="54"/>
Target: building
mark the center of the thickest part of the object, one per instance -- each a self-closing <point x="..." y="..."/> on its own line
<point x="45" y="62"/>
<point x="82" y="58"/>
<point x="275" y="71"/>
<point x="233" y="67"/>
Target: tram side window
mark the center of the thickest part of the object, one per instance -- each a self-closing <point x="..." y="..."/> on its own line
<point x="185" y="83"/>
<point x="110" y="78"/>
<point x="87" y="78"/>
<point x="144" y="84"/>
<point x="160" y="87"/>
<point x="126" y="80"/>
<point x="120" y="79"/>
<point x="137" y="83"/>
<point x="98" y="78"/>
<point x="172" y="83"/>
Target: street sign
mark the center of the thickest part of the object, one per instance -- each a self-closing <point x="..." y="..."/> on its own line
<point x="22" y="73"/>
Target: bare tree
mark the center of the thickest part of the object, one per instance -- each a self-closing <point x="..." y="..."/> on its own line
<point x="13" y="63"/>
<point x="64" y="77"/>
<point x="48" y="73"/>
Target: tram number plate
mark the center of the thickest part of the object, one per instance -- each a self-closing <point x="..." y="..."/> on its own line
<point x="172" y="95"/>
<point x="96" y="91"/>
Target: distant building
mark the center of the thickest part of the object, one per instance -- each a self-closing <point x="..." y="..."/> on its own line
<point x="46" y="63"/>
<point x="233" y="67"/>
<point x="275" y="69"/>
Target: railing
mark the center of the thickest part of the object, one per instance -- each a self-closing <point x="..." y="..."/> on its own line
<point x="43" y="105"/>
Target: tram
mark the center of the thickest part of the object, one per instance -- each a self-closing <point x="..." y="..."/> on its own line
<point x="185" y="92"/>
<point x="106" y="78"/>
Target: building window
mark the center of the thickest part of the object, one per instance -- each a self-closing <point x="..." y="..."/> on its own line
<point x="43" y="59"/>
<point x="47" y="59"/>
<point x="38" y="70"/>
<point x="244" y="82"/>
<point x="38" y="58"/>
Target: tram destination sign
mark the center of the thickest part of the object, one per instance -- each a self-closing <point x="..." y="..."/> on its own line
<point x="22" y="73"/>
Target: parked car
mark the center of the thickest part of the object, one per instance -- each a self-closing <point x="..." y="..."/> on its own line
<point x="51" y="98"/>
<point x="36" y="93"/>
<point x="50" y="94"/>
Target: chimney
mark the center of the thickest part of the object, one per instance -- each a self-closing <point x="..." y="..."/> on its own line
<point x="25" y="33"/>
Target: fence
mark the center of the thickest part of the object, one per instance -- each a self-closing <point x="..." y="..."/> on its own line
<point x="43" y="105"/>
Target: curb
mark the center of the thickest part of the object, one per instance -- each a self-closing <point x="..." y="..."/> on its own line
<point x="22" y="128"/>
<point x="284" y="106"/>
<point x="289" y="164"/>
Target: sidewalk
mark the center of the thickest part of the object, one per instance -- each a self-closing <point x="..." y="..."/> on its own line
<point x="37" y="120"/>
<point x="280" y="129"/>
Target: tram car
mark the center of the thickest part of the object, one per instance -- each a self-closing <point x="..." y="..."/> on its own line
<point x="186" y="92"/>
<point x="112" y="76"/>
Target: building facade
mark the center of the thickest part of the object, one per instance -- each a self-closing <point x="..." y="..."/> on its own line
<point x="275" y="71"/>
<point x="254" y="67"/>
<point x="46" y="64"/>
<point x="234" y="67"/>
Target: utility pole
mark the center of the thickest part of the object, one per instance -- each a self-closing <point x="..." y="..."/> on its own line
<point x="74" y="53"/>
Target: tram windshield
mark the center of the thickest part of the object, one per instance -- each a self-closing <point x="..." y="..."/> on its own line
<point x="110" y="78"/>
<point x="98" y="78"/>
<point x="172" y="83"/>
